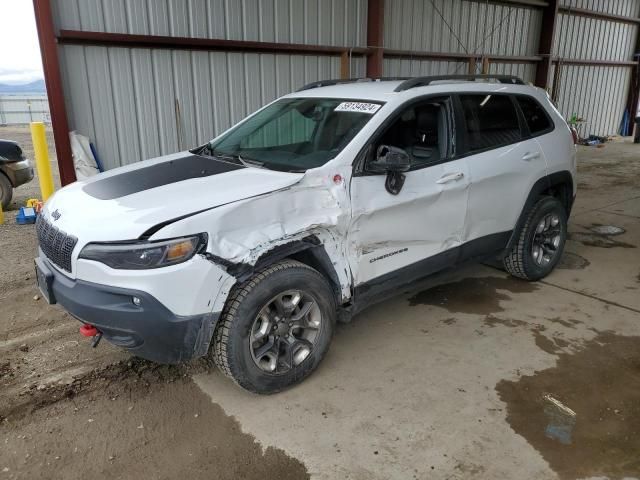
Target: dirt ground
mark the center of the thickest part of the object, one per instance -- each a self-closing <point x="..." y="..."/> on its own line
<point x="136" y="422"/>
<point x="69" y="411"/>
<point x="463" y="380"/>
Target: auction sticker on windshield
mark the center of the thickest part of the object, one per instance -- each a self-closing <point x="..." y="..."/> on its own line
<point x="360" y="107"/>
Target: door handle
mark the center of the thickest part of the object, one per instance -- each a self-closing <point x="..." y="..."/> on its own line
<point x="530" y="156"/>
<point x="450" y="177"/>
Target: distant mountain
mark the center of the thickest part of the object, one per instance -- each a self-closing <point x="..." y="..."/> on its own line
<point x="32" y="87"/>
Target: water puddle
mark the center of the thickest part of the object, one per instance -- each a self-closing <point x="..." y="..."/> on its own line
<point x="610" y="230"/>
<point x="583" y="415"/>
<point x="552" y="346"/>
<point x="600" y="236"/>
<point x="561" y="420"/>
<point x="569" y="322"/>
<point x="472" y="295"/>
<point x="572" y="261"/>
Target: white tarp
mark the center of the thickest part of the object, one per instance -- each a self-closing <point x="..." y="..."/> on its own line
<point x="83" y="160"/>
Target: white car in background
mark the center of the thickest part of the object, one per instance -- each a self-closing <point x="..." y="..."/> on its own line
<point x="251" y="246"/>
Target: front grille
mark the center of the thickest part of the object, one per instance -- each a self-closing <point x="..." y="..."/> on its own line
<point x="55" y="244"/>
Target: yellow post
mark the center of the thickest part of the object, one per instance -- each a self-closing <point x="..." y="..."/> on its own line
<point x="1" y="215"/>
<point x="43" y="165"/>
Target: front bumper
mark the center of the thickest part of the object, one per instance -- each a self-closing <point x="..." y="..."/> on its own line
<point x="19" y="173"/>
<point x="148" y="330"/>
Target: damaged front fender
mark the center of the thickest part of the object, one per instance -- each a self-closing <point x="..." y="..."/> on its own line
<point x="311" y="216"/>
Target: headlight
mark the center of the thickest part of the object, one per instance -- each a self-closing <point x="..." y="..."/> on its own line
<point x="143" y="255"/>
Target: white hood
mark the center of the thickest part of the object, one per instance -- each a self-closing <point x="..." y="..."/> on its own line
<point x="140" y="198"/>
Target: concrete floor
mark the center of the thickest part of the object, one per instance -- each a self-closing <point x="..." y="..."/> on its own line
<point x="450" y="382"/>
<point x="441" y="383"/>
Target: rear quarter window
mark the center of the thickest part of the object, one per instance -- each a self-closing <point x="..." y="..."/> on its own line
<point x="491" y="121"/>
<point x="535" y="115"/>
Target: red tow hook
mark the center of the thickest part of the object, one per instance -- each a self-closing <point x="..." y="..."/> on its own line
<point x="87" y="330"/>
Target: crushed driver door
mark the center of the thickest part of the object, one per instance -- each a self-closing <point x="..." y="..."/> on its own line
<point x="394" y="239"/>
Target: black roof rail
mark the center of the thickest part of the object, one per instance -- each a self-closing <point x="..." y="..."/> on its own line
<point x="424" y="81"/>
<point x="338" y="81"/>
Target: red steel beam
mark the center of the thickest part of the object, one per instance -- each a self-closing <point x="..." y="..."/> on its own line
<point x="516" y="3"/>
<point x="77" y="37"/>
<point x="410" y="54"/>
<point x="545" y="44"/>
<point x="583" y="12"/>
<point x="594" y="63"/>
<point x="514" y="59"/>
<point x="55" y="94"/>
<point x="375" y="35"/>
<point x="457" y="57"/>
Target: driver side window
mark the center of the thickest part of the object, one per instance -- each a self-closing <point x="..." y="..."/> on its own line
<point x="423" y="131"/>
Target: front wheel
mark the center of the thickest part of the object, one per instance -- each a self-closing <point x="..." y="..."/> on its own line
<point x="541" y="241"/>
<point x="275" y="328"/>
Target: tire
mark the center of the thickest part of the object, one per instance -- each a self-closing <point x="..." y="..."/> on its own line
<point x="251" y="310"/>
<point x="527" y="259"/>
<point x="6" y="191"/>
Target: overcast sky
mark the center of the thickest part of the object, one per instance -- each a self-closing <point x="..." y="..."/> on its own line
<point x="19" y="50"/>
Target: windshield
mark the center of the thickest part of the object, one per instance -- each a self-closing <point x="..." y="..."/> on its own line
<point x="295" y="134"/>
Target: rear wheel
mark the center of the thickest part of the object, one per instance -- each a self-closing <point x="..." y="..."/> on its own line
<point x="541" y="241"/>
<point x="275" y="328"/>
<point x="6" y="191"/>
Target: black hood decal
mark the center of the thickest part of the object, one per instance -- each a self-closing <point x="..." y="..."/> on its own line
<point x="135" y="181"/>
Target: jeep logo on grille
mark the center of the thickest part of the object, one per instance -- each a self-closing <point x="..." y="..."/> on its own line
<point x="56" y="214"/>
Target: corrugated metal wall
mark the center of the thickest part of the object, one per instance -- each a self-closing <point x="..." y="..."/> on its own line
<point x="314" y="22"/>
<point x="22" y="109"/>
<point x="627" y="8"/>
<point x="459" y="26"/>
<point x="598" y="94"/>
<point x="140" y="103"/>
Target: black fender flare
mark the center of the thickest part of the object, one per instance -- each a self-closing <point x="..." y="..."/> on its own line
<point x="561" y="178"/>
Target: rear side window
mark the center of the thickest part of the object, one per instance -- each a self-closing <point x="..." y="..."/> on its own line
<point x="535" y="115"/>
<point x="491" y="121"/>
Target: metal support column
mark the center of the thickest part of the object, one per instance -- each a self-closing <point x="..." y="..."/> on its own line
<point x="53" y="81"/>
<point x="375" y="32"/>
<point x="547" y="31"/>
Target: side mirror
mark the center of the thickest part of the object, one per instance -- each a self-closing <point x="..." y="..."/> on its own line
<point x="390" y="159"/>
<point x="393" y="161"/>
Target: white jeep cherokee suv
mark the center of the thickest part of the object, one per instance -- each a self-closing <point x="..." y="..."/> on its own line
<point x="254" y="244"/>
